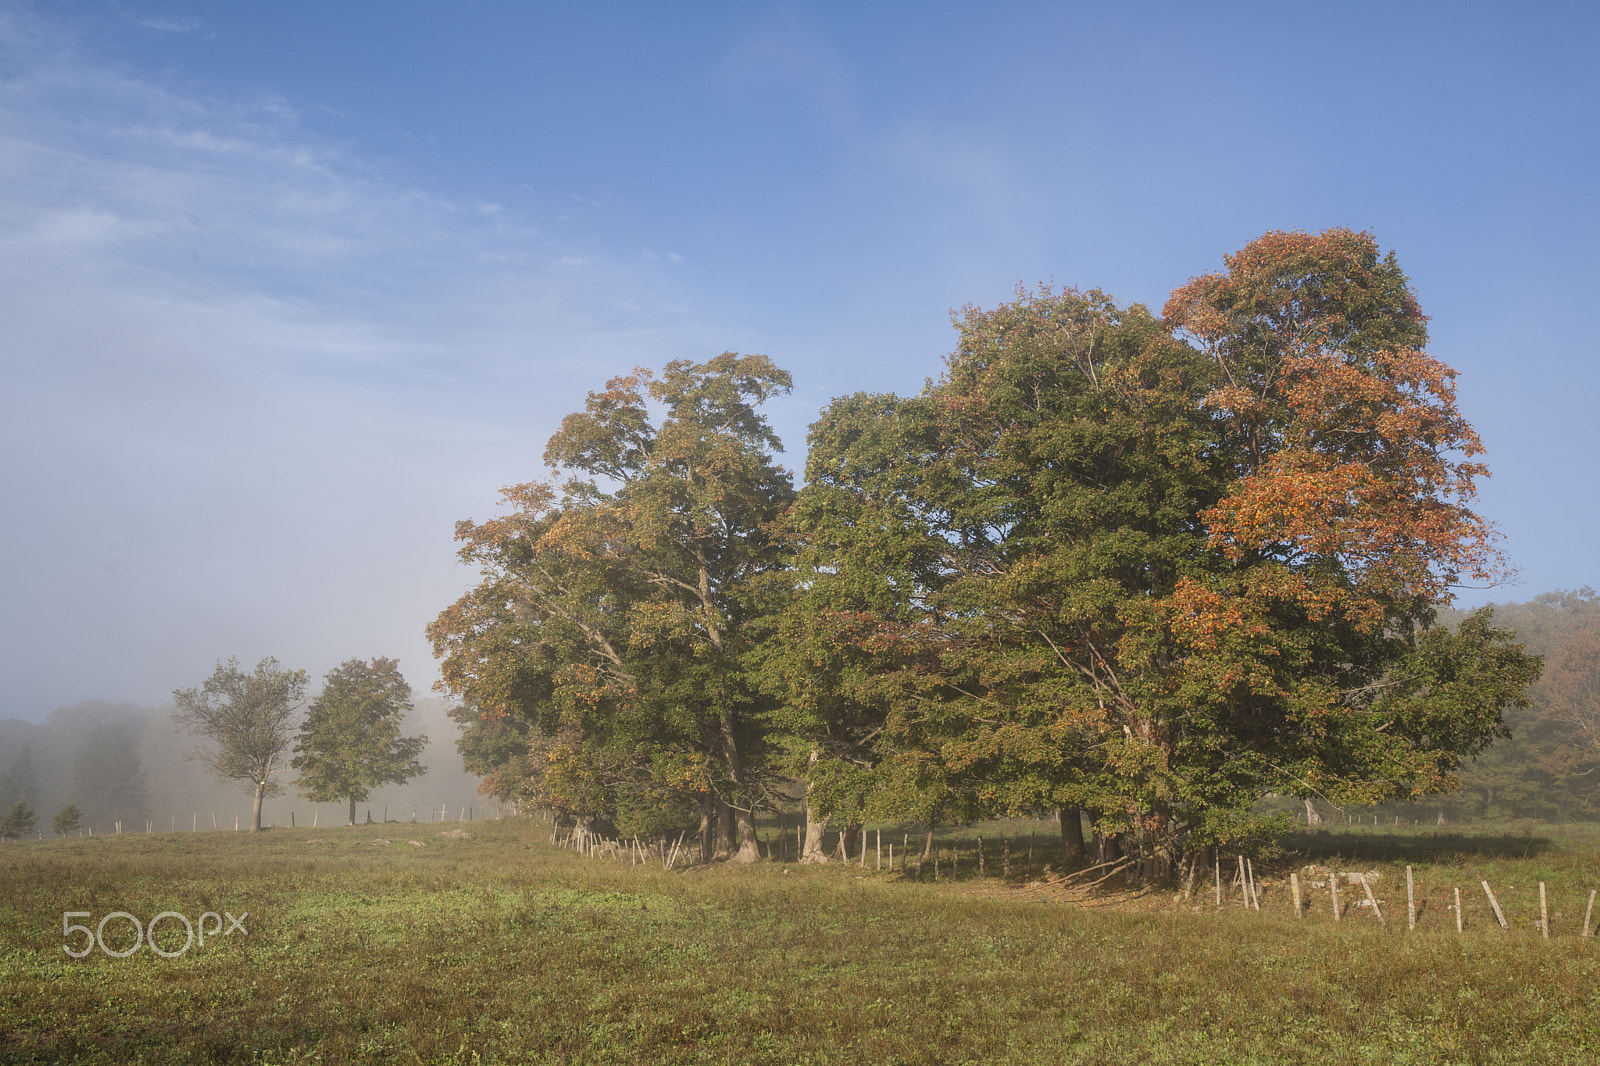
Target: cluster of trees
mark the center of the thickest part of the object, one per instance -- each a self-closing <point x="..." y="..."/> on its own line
<point x="348" y="744"/>
<point x="118" y="762"/>
<point x="105" y="773"/>
<point x="1143" y="569"/>
<point x="20" y="820"/>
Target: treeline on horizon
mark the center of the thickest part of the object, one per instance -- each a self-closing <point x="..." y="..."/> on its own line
<point x="1142" y="570"/>
<point x="120" y="762"/>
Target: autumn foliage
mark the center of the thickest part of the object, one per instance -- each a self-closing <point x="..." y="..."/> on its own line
<point x="1144" y="569"/>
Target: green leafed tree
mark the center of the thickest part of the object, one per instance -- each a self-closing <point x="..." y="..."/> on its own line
<point x="245" y="723"/>
<point x="18" y="821"/>
<point x="350" y="742"/>
<point x="67" y="820"/>
<point x="499" y="749"/>
<point x="617" y="599"/>
<point x="1157" y="569"/>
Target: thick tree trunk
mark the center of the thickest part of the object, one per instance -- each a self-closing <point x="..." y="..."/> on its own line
<point x="1312" y="817"/>
<point x="255" y="807"/>
<point x="352" y="810"/>
<point x="743" y="811"/>
<point x="749" y="843"/>
<point x="816" y="829"/>
<point x="724" y="847"/>
<point x="927" y="845"/>
<point x="1071" y="835"/>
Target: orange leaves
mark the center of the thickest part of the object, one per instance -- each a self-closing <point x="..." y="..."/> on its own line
<point x="1355" y="465"/>
<point x="1203" y="618"/>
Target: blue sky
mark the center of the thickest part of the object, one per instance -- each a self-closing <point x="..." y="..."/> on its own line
<point x="287" y="289"/>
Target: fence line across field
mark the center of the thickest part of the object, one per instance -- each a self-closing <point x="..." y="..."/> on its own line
<point x="1244" y="883"/>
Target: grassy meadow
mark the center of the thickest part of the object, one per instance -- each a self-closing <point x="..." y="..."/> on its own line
<point x="500" y="948"/>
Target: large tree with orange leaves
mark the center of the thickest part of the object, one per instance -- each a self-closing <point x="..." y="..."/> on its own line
<point x="1156" y="569"/>
<point x="1347" y="519"/>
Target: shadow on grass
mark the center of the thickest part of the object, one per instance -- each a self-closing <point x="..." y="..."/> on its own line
<point x="1419" y="848"/>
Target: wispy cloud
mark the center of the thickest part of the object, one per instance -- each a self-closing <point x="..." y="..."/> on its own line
<point x="784" y="54"/>
<point x="250" y="382"/>
<point x="168" y="25"/>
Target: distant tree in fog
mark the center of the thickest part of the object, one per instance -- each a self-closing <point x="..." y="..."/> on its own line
<point x="18" y="821"/>
<point x="19" y="781"/>
<point x="350" y="742"/>
<point x="246" y="723"/>
<point x="107" y="775"/>
<point x="67" y="820"/>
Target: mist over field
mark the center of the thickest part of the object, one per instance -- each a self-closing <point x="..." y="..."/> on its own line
<point x="119" y="761"/>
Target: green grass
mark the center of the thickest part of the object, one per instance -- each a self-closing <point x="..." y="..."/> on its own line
<point x="501" y="949"/>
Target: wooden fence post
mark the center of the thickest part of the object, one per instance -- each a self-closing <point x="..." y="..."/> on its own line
<point x="1411" y="903"/>
<point x="1333" y="890"/>
<point x="1460" y="922"/>
<point x="1499" y="915"/>
<point x="1544" y="913"/>
<point x="1294" y="886"/>
<point x="1373" y="900"/>
<point x="1587" y="913"/>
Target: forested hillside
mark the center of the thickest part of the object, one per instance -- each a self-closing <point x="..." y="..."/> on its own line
<point x="1549" y="766"/>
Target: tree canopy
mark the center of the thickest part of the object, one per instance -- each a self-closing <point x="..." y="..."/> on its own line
<point x="1146" y="568"/>
<point x="618" y="594"/>
<point x="245" y="723"/>
<point x="350" y="742"/>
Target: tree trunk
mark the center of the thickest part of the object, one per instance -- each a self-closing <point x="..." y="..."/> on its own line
<point x="724" y="848"/>
<point x="743" y="812"/>
<point x="255" y="808"/>
<point x="927" y="845"/>
<point x="1107" y="846"/>
<point x="352" y="810"/>
<point x="749" y="843"/>
<point x="707" y="827"/>
<point x="1312" y="817"/>
<point x="1071" y="835"/>
<point x="815" y="829"/>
